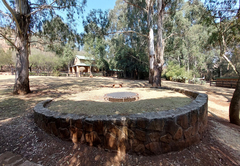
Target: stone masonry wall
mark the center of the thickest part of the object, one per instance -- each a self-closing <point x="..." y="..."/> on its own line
<point x="143" y="133"/>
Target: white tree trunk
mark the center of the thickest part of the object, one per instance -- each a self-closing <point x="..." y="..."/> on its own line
<point x="151" y="40"/>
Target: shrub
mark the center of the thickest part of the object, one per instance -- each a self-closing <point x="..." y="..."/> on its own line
<point x="177" y="73"/>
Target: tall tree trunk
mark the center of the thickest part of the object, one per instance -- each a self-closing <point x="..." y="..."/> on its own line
<point x="159" y="61"/>
<point x="151" y="41"/>
<point x="21" y="85"/>
<point x="234" y="109"/>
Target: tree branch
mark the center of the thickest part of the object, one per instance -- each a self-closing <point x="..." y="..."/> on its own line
<point x="9" y="41"/>
<point x="169" y="36"/>
<point x="5" y="14"/>
<point x="44" y="7"/>
<point x="130" y="31"/>
<point x="13" y="14"/>
<point x="138" y="59"/>
<point x="136" y="6"/>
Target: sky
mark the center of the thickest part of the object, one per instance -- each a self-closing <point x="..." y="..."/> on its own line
<point x="95" y="4"/>
<point x="91" y="4"/>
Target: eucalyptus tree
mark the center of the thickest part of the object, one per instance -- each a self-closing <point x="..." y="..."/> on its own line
<point x="27" y="17"/>
<point x="224" y="15"/>
<point x="188" y="47"/>
<point x="129" y="39"/>
<point x="156" y="9"/>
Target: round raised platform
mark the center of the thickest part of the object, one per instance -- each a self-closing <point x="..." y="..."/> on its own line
<point x="143" y="133"/>
<point x="121" y="97"/>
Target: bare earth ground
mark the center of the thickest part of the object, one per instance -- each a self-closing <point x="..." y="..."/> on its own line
<point x="19" y="134"/>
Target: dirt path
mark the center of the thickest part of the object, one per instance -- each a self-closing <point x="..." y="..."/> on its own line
<point x="219" y="147"/>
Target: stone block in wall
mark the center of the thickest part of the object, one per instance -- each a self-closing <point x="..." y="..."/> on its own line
<point x="140" y="135"/>
<point x="62" y="123"/>
<point x="130" y="134"/>
<point x="98" y="126"/>
<point x="156" y="124"/>
<point x="64" y="133"/>
<point x="123" y="145"/>
<point x="179" y="133"/>
<point x="53" y="128"/>
<point x="140" y="148"/>
<point x="87" y="126"/>
<point x="73" y="134"/>
<point x="123" y="133"/>
<point x="131" y="123"/>
<point x="141" y="123"/>
<point x="193" y="117"/>
<point x="166" y="138"/>
<point x="114" y="130"/>
<point x="92" y="138"/>
<point x="78" y="123"/>
<point x="154" y="137"/>
<point x="171" y="127"/>
<point x="183" y="121"/>
<point x="110" y="142"/>
<point x="188" y="133"/>
<point x="154" y="147"/>
<point x="179" y="145"/>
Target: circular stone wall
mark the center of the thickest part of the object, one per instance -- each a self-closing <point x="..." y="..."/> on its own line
<point x="143" y="133"/>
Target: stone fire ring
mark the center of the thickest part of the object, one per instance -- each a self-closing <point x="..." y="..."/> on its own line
<point x="143" y="133"/>
<point x="121" y="96"/>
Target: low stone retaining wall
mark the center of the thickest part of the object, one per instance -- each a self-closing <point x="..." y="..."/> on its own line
<point x="143" y="133"/>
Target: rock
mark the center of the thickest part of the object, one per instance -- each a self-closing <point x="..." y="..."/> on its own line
<point x="178" y="134"/>
<point x="154" y="137"/>
<point x="154" y="147"/>
<point x="92" y="138"/>
<point x="88" y="127"/>
<point x="140" y="148"/>
<point x="53" y="128"/>
<point x="182" y="120"/>
<point x="194" y="117"/>
<point x="156" y="124"/>
<point x="130" y="134"/>
<point x="141" y="123"/>
<point x="78" y="124"/>
<point x="188" y="133"/>
<point x="166" y="138"/>
<point x="140" y="135"/>
<point x="98" y="127"/>
<point x="64" y="133"/>
<point x="110" y="141"/>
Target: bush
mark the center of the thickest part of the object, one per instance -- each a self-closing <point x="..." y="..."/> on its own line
<point x="56" y="73"/>
<point x="177" y="73"/>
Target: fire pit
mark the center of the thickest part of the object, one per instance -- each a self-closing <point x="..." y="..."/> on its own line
<point x="121" y="97"/>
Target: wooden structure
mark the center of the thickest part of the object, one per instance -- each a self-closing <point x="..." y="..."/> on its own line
<point x="82" y="65"/>
<point x="225" y="82"/>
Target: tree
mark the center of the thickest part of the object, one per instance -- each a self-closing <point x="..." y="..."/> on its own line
<point x="29" y="16"/>
<point x="224" y="15"/>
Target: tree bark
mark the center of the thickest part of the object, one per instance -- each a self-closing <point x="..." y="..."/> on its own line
<point x="151" y="41"/>
<point x="234" y="109"/>
<point x="159" y="61"/>
<point x="21" y="85"/>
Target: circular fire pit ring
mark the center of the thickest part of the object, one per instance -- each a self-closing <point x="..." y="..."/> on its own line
<point x="121" y="97"/>
<point x="142" y="133"/>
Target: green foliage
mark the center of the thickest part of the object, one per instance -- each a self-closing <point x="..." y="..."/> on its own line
<point x="44" y="61"/>
<point x="176" y="73"/>
<point x="6" y="58"/>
